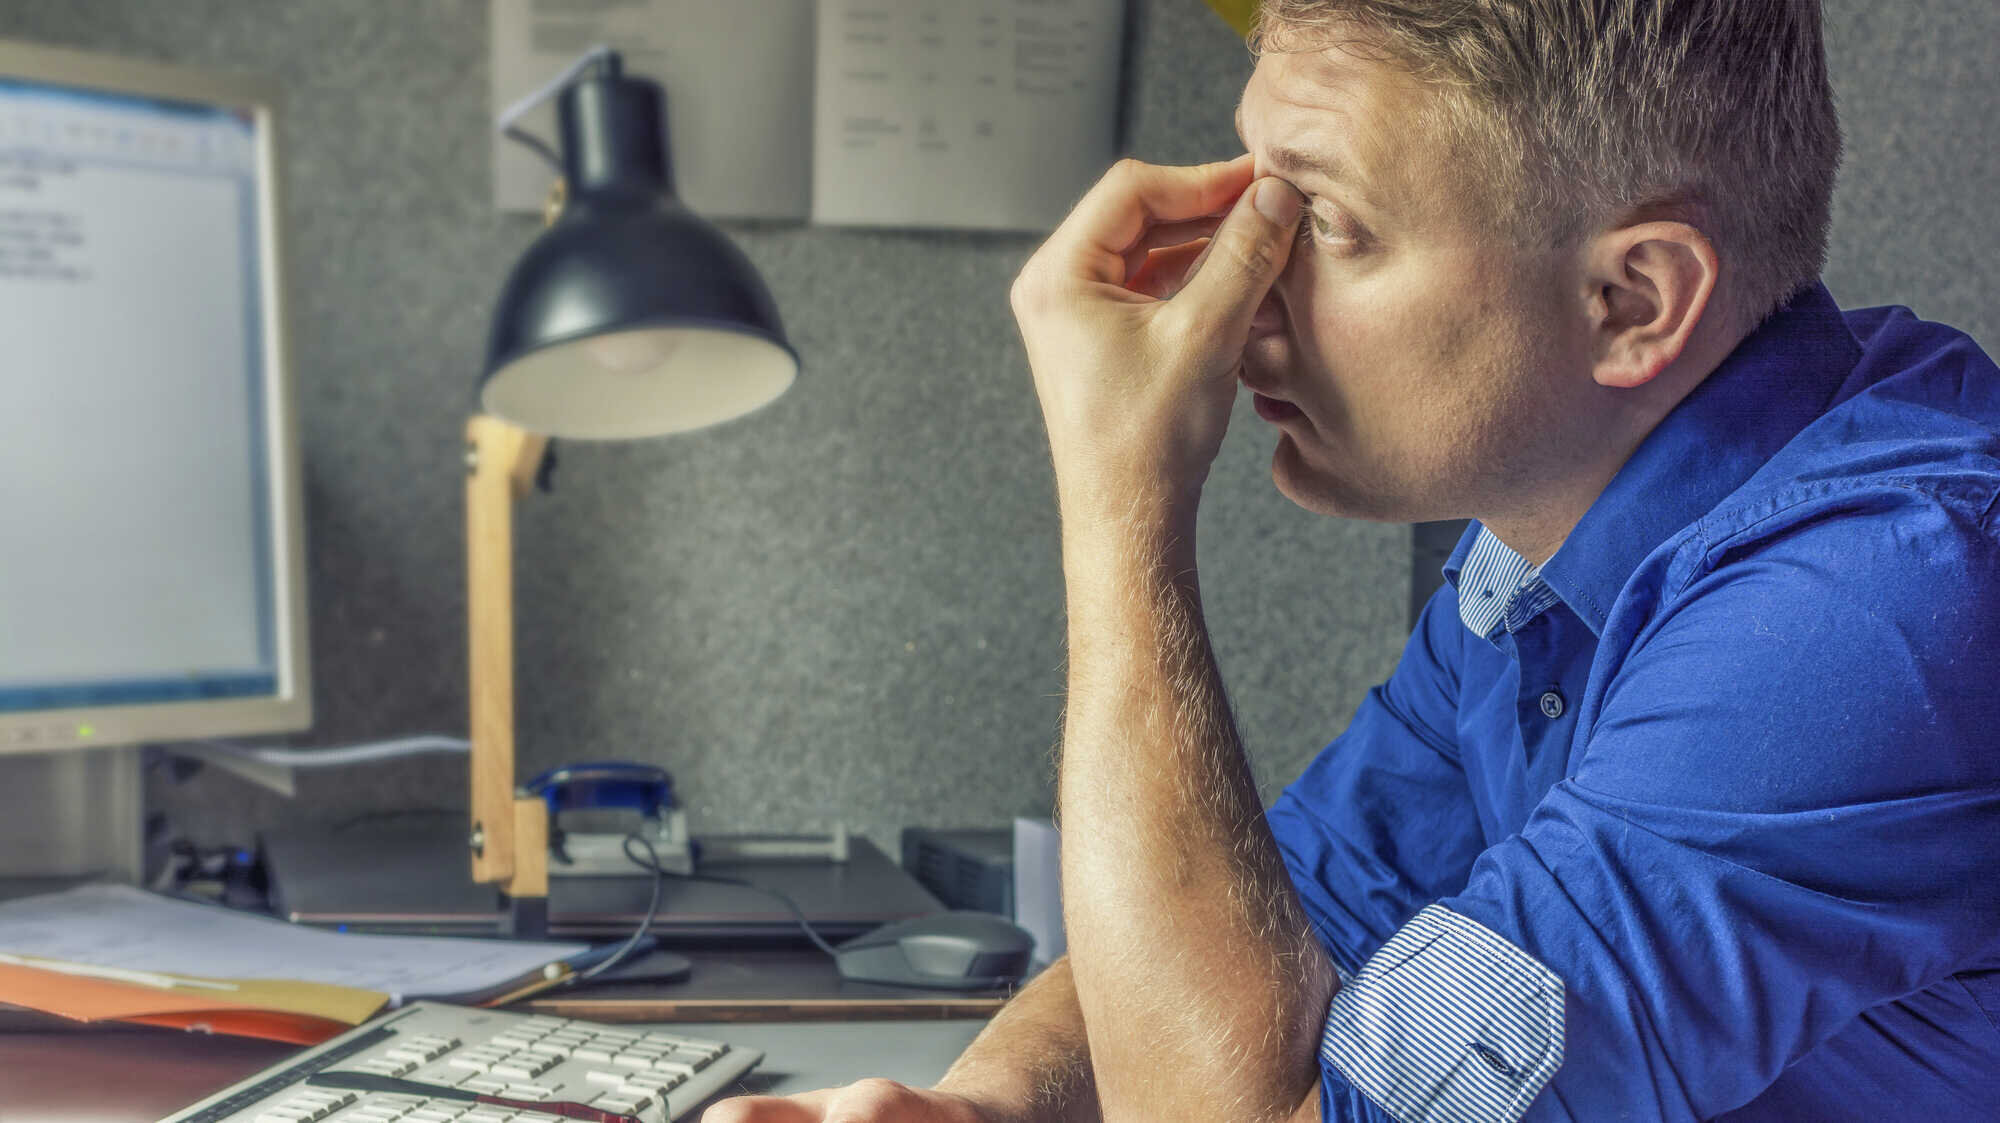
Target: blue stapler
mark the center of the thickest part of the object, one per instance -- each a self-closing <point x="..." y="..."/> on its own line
<point x="589" y="802"/>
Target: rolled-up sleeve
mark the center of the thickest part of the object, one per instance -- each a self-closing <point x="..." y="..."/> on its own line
<point x="1786" y="812"/>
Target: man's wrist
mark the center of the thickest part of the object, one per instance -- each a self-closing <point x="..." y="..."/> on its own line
<point x="1147" y="523"/>
<point x="989" y="1107"/>
<point x="1128" y="502"/>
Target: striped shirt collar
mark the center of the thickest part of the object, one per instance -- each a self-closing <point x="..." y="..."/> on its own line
<point x="1498" y="586"/>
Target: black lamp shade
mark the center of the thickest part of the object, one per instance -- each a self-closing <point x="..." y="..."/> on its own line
<point x="630" y="316"/>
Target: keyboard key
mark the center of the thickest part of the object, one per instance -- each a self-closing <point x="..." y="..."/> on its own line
<point x="634" y="1060"/>
<point x="284" y="1115"/>
<point x="621" y="1102"/>
<point x="553" y="1047"/>
<point x="675" y="1068"/>
<point x="514" y="1070"/>
<point x="445" y="1075"/>
<point x="319" y="1103"/>
<point x="695" y="1060"/>
<point x="612" y="1078"/>
<point x="484" y="1084"/>
<point x="433" y="1045"/>
<point x="647" y="1082"/>
<point x="538" y="1063"/>
<point x="594" y="1053"/>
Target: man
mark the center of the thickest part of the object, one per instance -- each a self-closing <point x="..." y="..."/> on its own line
<point x="1684" y="800"/>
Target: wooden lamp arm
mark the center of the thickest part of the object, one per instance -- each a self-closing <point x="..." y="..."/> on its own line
<point x="509" y="840"/>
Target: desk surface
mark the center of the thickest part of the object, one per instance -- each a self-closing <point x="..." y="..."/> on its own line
<point x="789" y="1002"/>
<point x="139" y="1075"/>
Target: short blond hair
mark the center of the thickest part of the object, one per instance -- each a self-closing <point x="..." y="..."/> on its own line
<point x="1580" y="111"/>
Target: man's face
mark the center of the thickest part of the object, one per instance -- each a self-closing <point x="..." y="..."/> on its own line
<point x="1413" y="362"/>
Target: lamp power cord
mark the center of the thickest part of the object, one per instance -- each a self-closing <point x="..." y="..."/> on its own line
<point x="650" y="862"/>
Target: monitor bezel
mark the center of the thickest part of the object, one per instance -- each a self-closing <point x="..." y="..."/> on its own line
<point x="290" y="709"/>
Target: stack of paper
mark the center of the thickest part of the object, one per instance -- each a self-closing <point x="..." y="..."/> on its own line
<point x="112" y="952"/>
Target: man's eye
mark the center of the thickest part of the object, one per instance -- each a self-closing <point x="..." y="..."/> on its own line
<point x="1321" y="227"/>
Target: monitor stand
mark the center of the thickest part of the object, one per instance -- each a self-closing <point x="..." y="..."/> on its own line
<point x="71" y="816"/>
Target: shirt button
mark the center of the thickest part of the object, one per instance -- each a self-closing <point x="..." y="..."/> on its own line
<point x="1552" y="704"/>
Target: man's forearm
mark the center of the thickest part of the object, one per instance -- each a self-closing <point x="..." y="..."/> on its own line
<point x="1199" y="980"/>
<point x="1031" y="1064"/>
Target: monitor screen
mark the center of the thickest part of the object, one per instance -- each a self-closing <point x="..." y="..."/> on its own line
<point x="149" y="580"/>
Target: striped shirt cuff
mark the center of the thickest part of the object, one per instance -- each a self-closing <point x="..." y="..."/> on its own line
<point x="1448" y="1023"/>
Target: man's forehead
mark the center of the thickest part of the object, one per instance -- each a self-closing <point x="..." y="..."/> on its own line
<point x="1333" y="112"/>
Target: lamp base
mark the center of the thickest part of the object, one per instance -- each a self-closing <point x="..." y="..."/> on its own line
<point x="524" y="918"/>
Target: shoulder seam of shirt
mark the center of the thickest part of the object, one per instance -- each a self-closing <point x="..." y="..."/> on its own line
<point x="1699" y="563"/>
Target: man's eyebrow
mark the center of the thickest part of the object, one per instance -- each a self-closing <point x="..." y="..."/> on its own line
<point x="1296" y="161"/>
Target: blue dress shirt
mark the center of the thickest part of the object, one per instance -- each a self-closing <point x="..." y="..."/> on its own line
<point x="1700" y="819"/>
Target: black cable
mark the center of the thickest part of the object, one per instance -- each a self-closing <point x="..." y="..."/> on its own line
<point x="660" y="873"/>
<point x="539" y="146"/>
<point x="645" y="925"/>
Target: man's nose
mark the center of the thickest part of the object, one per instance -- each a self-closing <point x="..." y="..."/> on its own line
<point x="1270" y="314"/>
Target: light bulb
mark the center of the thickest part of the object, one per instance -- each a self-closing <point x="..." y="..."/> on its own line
<point x="631" y="352"/>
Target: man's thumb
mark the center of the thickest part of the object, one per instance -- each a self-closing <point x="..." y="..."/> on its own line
<point x="1246" y="254"/>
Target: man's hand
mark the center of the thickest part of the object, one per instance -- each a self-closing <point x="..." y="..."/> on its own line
<point x="1135" y="379"/>
<point x="865" y="1101"/>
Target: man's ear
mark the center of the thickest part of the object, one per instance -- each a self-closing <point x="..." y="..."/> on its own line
<point x="1649" y="285"/>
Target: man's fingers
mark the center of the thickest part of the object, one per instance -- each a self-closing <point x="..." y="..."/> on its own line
<point x="807" y="1107"/>
<point x="1168" y="236"/>
<point x="1165" y="271"/>
<point x="1244" y="258"/>
<point x="1132" y="198"/>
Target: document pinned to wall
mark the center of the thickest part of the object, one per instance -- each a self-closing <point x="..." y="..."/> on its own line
<point x="968" y="114"/>
<point x="979" y="114"/>
<point x="738" y="81"/>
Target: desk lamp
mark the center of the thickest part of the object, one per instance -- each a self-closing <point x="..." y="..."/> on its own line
<point x="628" y="317"/>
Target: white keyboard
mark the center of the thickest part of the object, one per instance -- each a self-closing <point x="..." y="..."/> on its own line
<point x="649" y="1074"/>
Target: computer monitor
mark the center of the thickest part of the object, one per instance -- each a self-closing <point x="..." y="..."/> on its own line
<point x="151" y="542"/>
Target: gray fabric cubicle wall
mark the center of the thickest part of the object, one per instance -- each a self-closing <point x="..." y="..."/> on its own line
<point x="846" y="607"/>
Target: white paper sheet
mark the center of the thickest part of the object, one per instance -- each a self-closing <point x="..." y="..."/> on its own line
<point x="117" y="926"/>
<point x="1038" y="886"/>
<point x="984" y="114"/>
<point x="738" y="79"/>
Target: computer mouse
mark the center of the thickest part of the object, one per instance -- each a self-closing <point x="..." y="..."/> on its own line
<point x="960" y="950"/>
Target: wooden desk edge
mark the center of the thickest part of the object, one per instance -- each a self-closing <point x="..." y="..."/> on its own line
<point x="761" y="1010"/>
